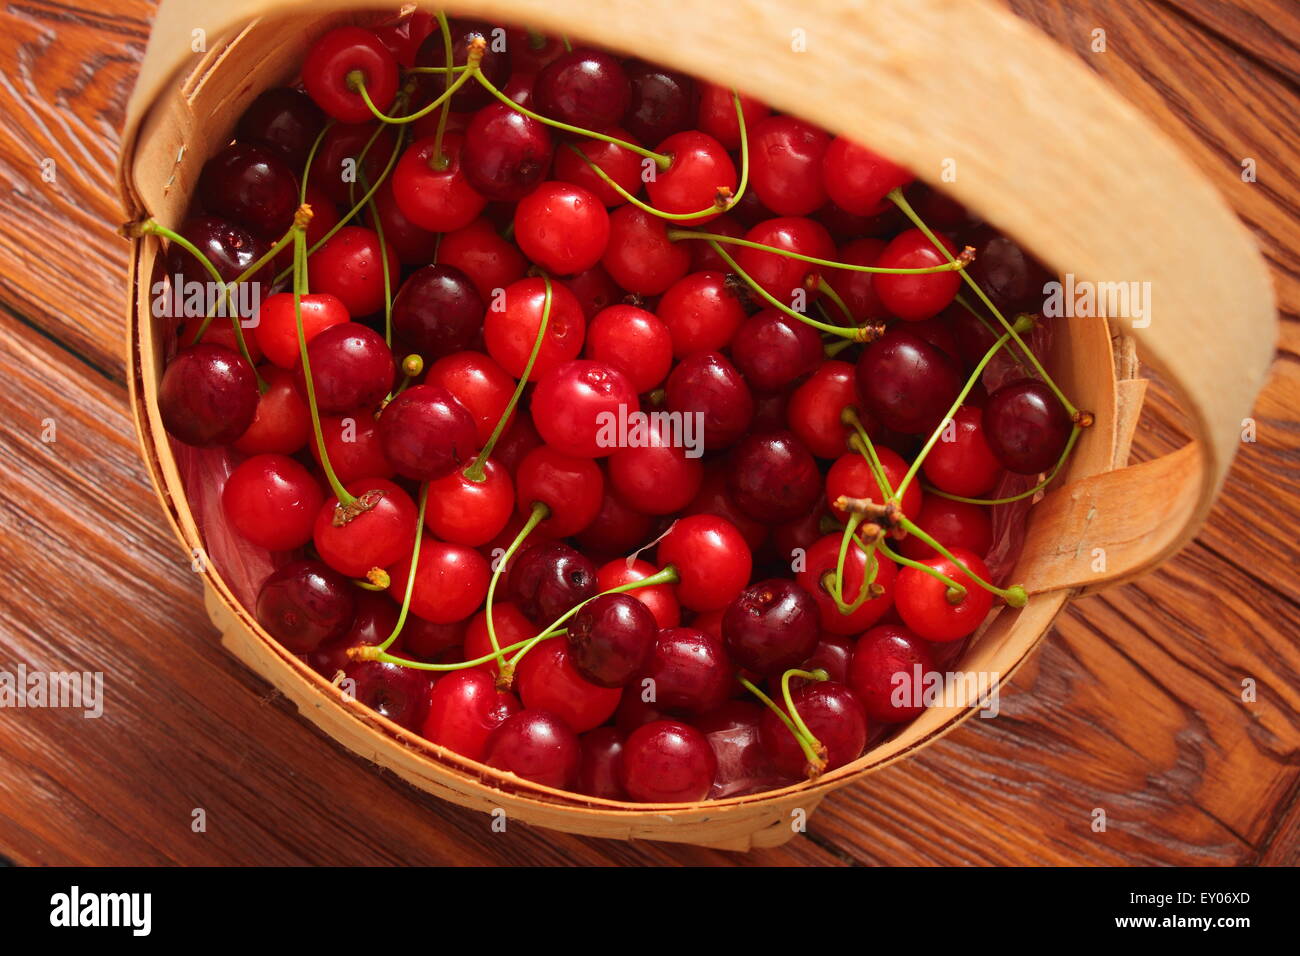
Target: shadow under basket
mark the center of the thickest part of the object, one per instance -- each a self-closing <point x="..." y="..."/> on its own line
<point x="1043" y="150"/>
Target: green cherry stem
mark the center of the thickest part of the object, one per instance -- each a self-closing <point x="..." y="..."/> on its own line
<point x="474" y="471"/>
<point x="539" y="514"/>
<point x="868" y="579"/>
<point x="410" y="576"/>
<point x="371" y="653"/>
<point x="808" y="751"/>
<point x="443" y="98"/>
<point x="896" y="196"/>
<point x="244" y="276"/>
<point x="816" y="675"/>
<point x="955" y="265"/>
<point x="311" y="157"/>
<point x="661" y="160"/>
<point x="825" y="289"/>
<point x="862" y="441"/>
<point x="1065" y="453"/>
<point x="383" y="260"/>
<point x="471" y="66"/>
<point x="1014" y="595"/>
<point x="299" y="290"/>
<point x="959" y="590"/>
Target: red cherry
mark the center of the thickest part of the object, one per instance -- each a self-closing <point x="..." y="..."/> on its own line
<point x="426" y="433"/>
<point x="713" y="498"/>
<point x="440" y="200"/>
<point x="639" y="255"/>
<point x="780" y="276"/>
<point x="350" y="267"/>
<point x="510" y="625"/>
<point x="857" y="289"/>
<point x="954" y="524"/>
<point x="451" y="581"/>
<point x="887" y="664"/>
<point x="536" y="746"/>
<point x="786" y="165"/>
<point x="858" y="179"/>
<point x="334" y="168"/>
<point x="470" y="512"/>
<point x="814" y="410"/>
<point x="506" y="153"/>
<point x="915" y="296"/>
<point x="586" y="88"/>
<point x="701" y="312"/>
<point x="516" y="442"/>
<point x="658" y="473"/>
<point x="689" y="668"/>
<point x="661" y="599"/>
<point x="208" y="396"/>
<point x="351" y="368"/>
<point x="547" y="680"/>
<point x="374" y="538"/>
<point x="511" y="330"/>
<point x="562" y="227"/>
<point x="708" y="384"/>
<point x="354" y="449"/>
<point x="478" y="383"/>
<point x="965" y="465"/>
<point x="404" y="35"/>
<point x="570" y="487"/>
<point x="717" y="114"/>
<point x="668" y="762"/>
<point x="428" y="641"/>
<point x="600" y="773"/>
<point x="711" y="559"/>
<point x="701" y="177"/>
<point x="338" y="62"/>
<point x="923" y="602"/>
<point x="772" y="477"/>
<point x="633" y="341"/>
<point x="851" y="476"/>
<point x="465" y="707"/>
<point x="772" y="350"/>
<point x="834" y="716"/>
<point x="704" y="258"/>
<point x="821" y="561"/>
<point x="271" y="501"/>
<point x="594" y="289"/>
<point x="277" y="327"/>
<point x="617" y="162"/>
<point x="282" y="422"/>
<point x="577" y="406"/>
<point x="479" y="251"/>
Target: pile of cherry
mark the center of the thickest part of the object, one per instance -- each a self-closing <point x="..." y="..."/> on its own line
<point x="465" y="292"/>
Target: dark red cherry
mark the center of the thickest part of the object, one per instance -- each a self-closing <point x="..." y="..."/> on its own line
<point x="663" y="102"/>
<point x="426" y="433"/>
<point x="536" y="746"/>
<point x="907" y="382"/>
<point x="617" y="162"/>
<point x="771" y="626"/>
<point x="351" y="368"/>
<point x="229" y="247"/>
<point x="609" y="639"/>
<point x="832" y="654"/>
<point x="708" y="384"/>
<point x="690" y="670"/>
<point x="495" y="63"/>
<point x="857" y="288"/>
<point x="399" y="693"/>
<point x="668" y="762"/>
<point x="586" y="88"/>
<point x="888" y="671"/>
<point x="1012" y="278"/>
<point x="600" y="773"/>
<point x="464" y="710"/>
<point x="208" y="396"/>
<point x="786" y="165"/>
<point x="549" y="579"/>
<point x="437" y="311"/>
<point x="283" y="120"/>
<point x="506" y="153"/>
<point x="271" y="501"/>
<point x="304" y="604"/>
<point x="834" y="716"/>
<point x="1026" y="426"/>
<point x="339" y="63"/>
<point x="355" y="541"/>
<point x="772" y="350"/>
<point x="374" y="619"/>
<point x="711" y="558"/>
<point x="547" y="680"/>
<point x="713" y="498"/>
<point x="252" y="186"/>
<point x="577" y="408"/>
<point x="572" y="488"/>
<point x="411" y="244"/>
<point x="772" y="477"/>
<point x="337" y="161"/>
<point x="617" y="529"/>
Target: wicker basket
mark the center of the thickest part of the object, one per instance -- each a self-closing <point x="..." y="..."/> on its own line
<point x="1040" y="147"/>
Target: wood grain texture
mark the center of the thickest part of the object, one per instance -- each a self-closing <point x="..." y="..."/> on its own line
<point x="1132" y="706"/>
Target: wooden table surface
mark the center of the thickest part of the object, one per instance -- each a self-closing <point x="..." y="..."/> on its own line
<point x="1133" y="704"/>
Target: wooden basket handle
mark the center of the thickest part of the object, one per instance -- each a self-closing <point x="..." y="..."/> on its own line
<point x="1038" y="144"/>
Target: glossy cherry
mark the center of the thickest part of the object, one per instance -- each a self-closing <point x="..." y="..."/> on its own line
<point x="661" y="599"/>
<point x="426" y="433"/>
<point x="562" y="227"/>
<point x="771" y="626"/>
<point x="639" y="256"/>
<point x="617" y="162"/>
<point x="536" y="746"/>
<point x="916" y="296"/>
<point x="711" y="558"/>
<point x="571" y="488"/>
<point x="1026" y="426"/>
<point x="772" y="477"/>
<point x="786" y="165"/>
<point x="338" y="159"/>
<point x="228" y="246"/>
<point x="816" y="405"/>
<point x="954" y="524"/>
<point x="451" y="581"/>
<point x="887" y="673"/>
<point x="717" y="113"/>
<point x="478" y="383"/>
<point x="350" y="266"/>
<point x="819" y="568"/>
<point x="663" y="102"/>
<point x="600" y="772"/>
<point x="851" y="476"/>
<point x="609" y="639"/>
<point x="208" y="396"/>
<point x="495" y="62"/>
<point x="252" y="186"/>
<point x="353" y="541"/>
<point x="961" y="461"/>
<point x="339" y="63"/>
<point x="1012" y="278"/>
<point x="708" y="384"/>
<point x="666" y="761"/>
<point x="282" y="422"/>
<point x="772" y="350"/>
<point x="372" y="622"/>
<point x="437" y="311"/>
<point x="305" y="604"/>
<point x="702" y="313"/>
<point x="906" y="382"/>
<point x="354" y="447"/>
<point x="351" y="368"/>
<point x="689" y="668"/>
<point x="586" y="88"/>
<point x="272" y="501"/>
<point x="657" y="472"/>
<point x="782" y="277"/>
<point x="633" y="341"/>
<point x="857" y="289"/>
<point x="506" y="153"/>
<point x="549" y="579"/>
<point x="465" y="708"/>
<point x="479" y="251"/>
<point x="713" y="498"/>
<point x="701" y="177"/>
<point x="399" y="693"/>
<point x="923" y="603"/>
<point x="511" y="331"/>
<point x="436" y="195"/>
<point x="277" y="327"/>
<point x="469" y="512"/>
<point x="548" y="680"/>
<point x="577" y="407"/>
<point x="832" y="713"/>
<point x="857" y="179"/>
